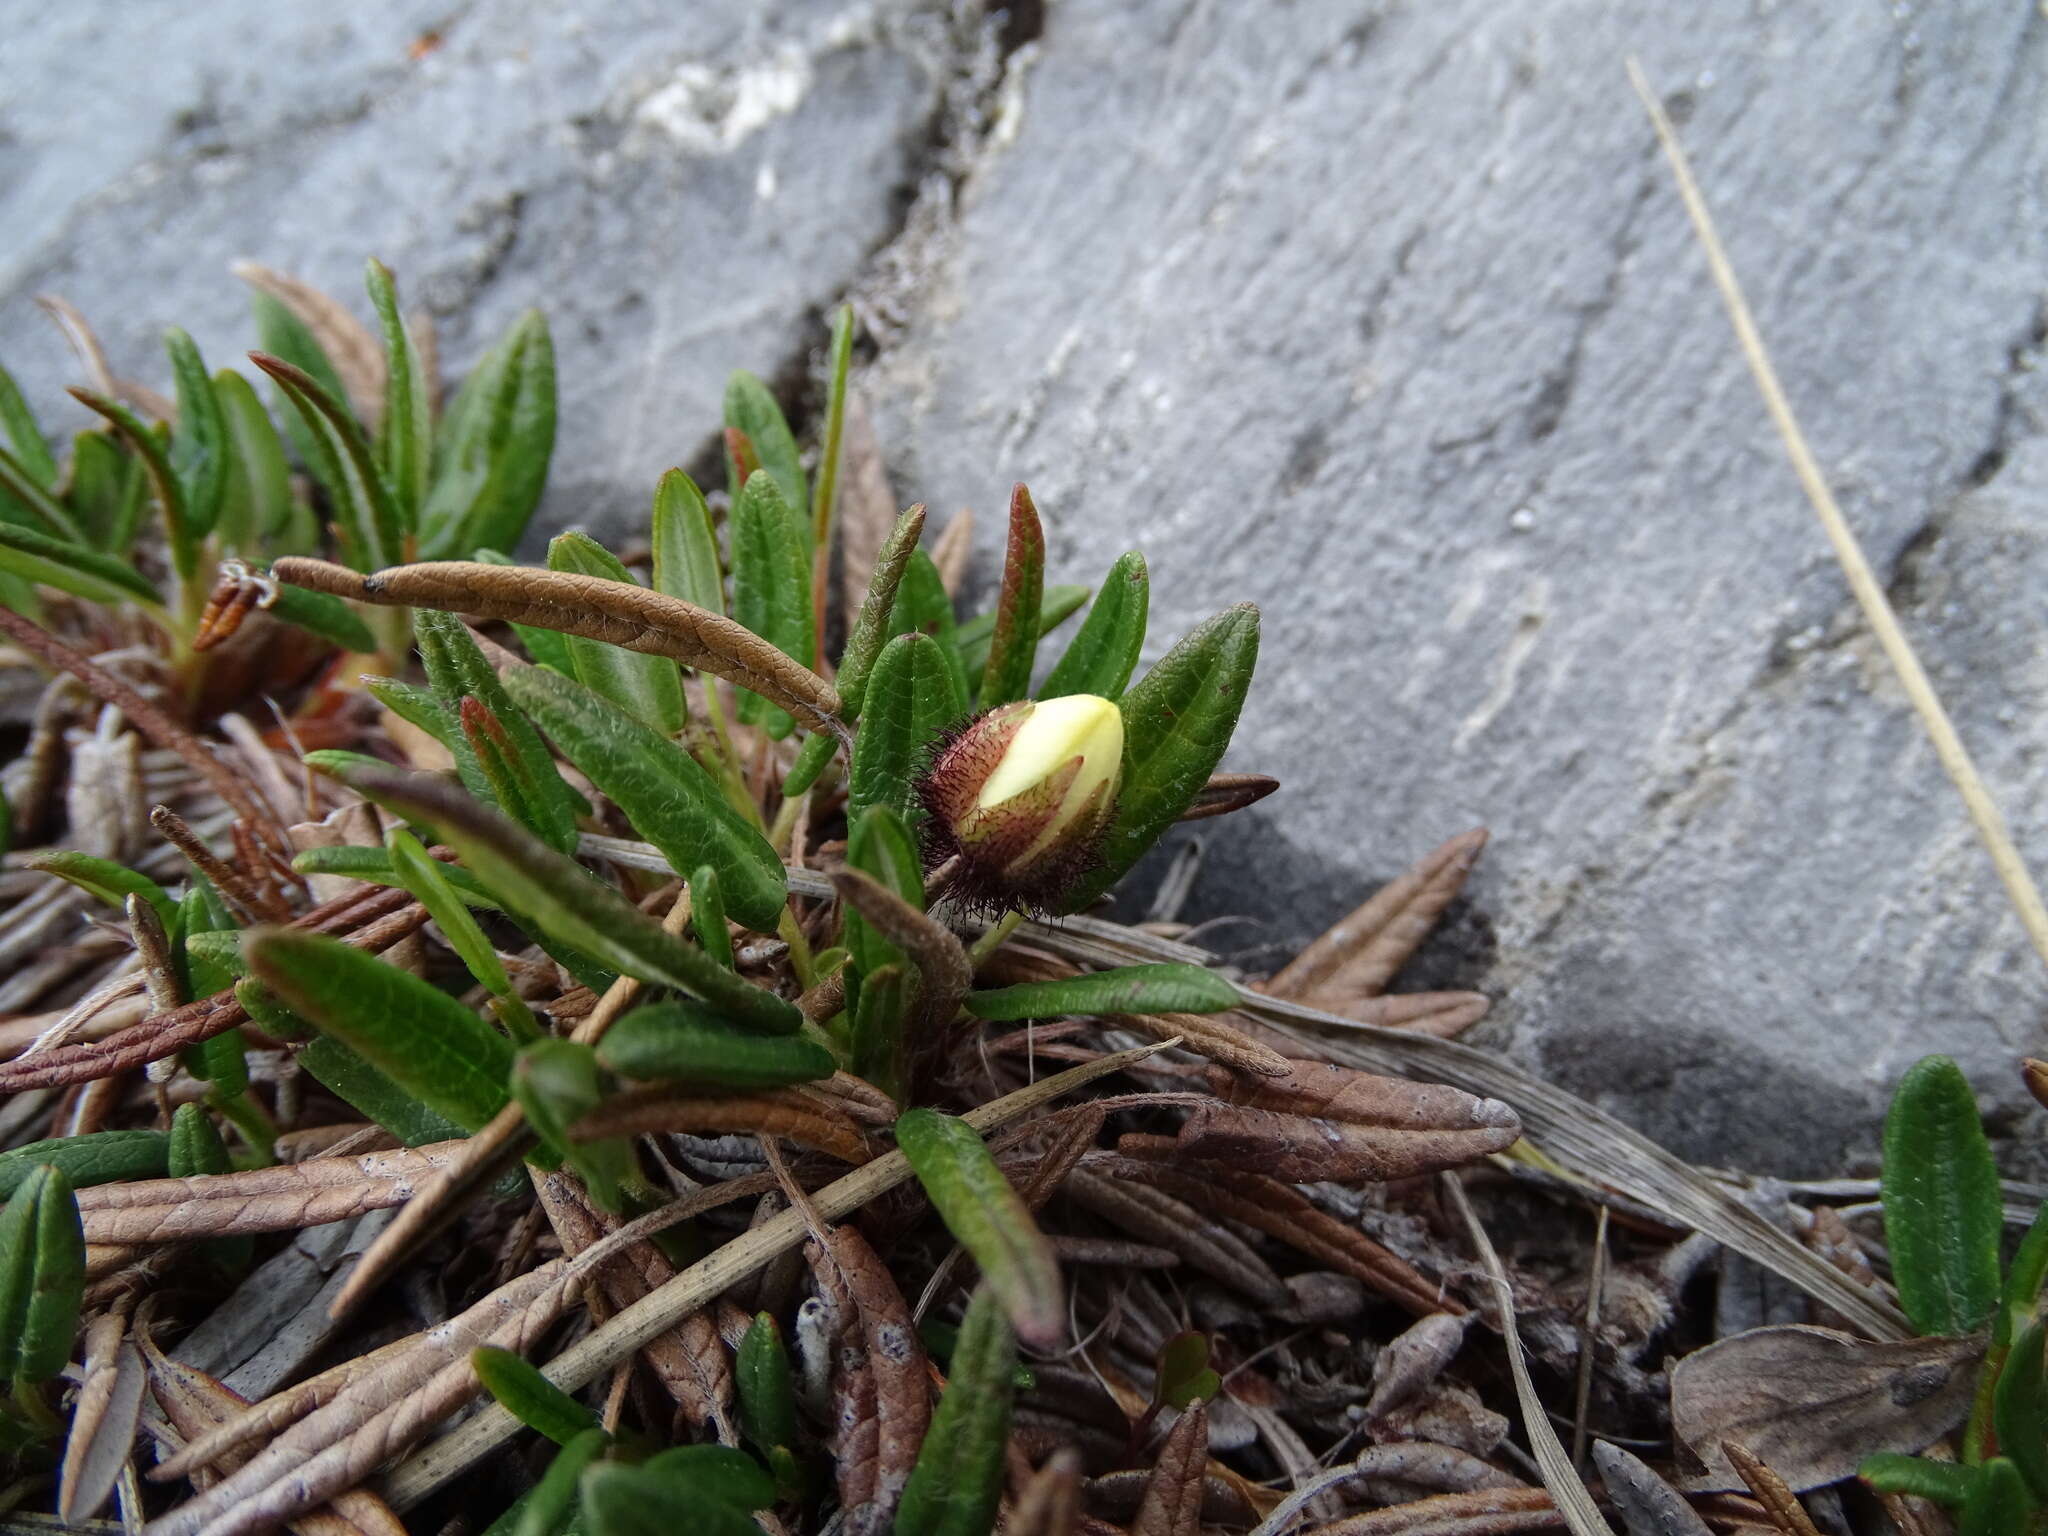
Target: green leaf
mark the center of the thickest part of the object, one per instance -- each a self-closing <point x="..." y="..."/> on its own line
<point x="548" y="647"/>
<point x="2020" y="1407"/>
<point x="556" y="1083"/>
<point x="922" y="607"/>
<point x="554" y="891"/>
<point x="987" y="1218"/>
<point x="1184" y="1374"/>
<point x="258" y="513"/>
<point x="421" y="1038"/>
<point x="106" y="881"/>
<point x="1055" y="607"/>
<point x="530" y="1397"/>
<point x="880" y="1009"/>
<point x="663" y="791"/>
<point x="325" y="615"/>
<point x="365" y="1089"/>
<point x="771" y="584"/>
<point x="75" y="568"/>
<point x="31" y="448"/>
<point x="282" y="334"/>
<point x="149" y="445"/>
<point x="707" y="916"/>
<point x="199" y="447"/>
<point x="751" y="409"/>
<point x="1105" y="652"/>
<point x="716" y="1472"/>
<point x="688" y="1042"/>
<point x="1177" y="723"/>
<point x="101" y="1157"/>
<point x="495" y="443"/>
<point x="1013" y="645"/>
<point x="650" y="687"/>
<point x="2023" y="1281"/>
<point x="767" y="1391"/>
<point x="428" y="881"/>
<point x="405" y="438"/>
<point x="31" y="498"/>
<point x="881" y="845"/>
<point x="271" y="1016"/>
<point x="1942" y="1481"/>
<point x="195" y="1145"/>
<point x="685" y="547"/>
<point x="1163" y="988"/>
<point x="107" y="491"/>
<point x="825" y="503"/>
<point x="374" y="865"/>
<point x="545" y="1510"/>
<point x="958" y="1479"/>
<point x="912" y="698"/>
<point x="1942" y="1210"/>
<point x="415" y="706"/>
<point x="512" y="784"/>
<point x="42" y="1276"/>
<point x="343" y="462"/>
<point x="619" y="1500"/>
<point x="1998" y="1505"/>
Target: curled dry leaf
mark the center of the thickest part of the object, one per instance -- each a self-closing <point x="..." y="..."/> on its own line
<point x="1049" y="1503"/>
<point x="1488" y="1512"/>
<point x="2034" y="1073"/>
<point x="1648" y="1505"/>
<point x="594" y="608"/>
<point x="1771" y="1491"/>
<point x="1413" y="1359"/>
<point x="1209" y="1035"/>
<point x="1158" y="1217"/>
<point x="103" y="1422"/>
<point x="808" y="1120"/>
<point x="1360" y="954"/>
<point x="1227" y="792"/>
<point x="932" y="947"/>
<point x="1813" y="1403"/>
<point x="896" y="1367"/>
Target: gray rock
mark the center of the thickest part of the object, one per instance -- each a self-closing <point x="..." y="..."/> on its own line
<point x="1383" y="316"/>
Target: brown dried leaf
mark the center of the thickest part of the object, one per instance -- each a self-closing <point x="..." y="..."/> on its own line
<point x="1488" y="1512"/>
<point x="1814" y="1403"/>
<point x="1208" y="1035"/>
<point x="283" y="1198"/>
<point x="1771" y="1491"/>
<point x="103" y="1423"/>
<point x="616" y="612"/>
<point x="1049" y="1503"/>
<point x="933" y="948"/>
<point x="357" y="356"/>
<point x="83" y="340"/>
<point x="1173" y="1495"/>
<point x="2034" y="1073"/>
<point x="807" y="1120"/>
<point x="1227" y="792"/>
<point x="1158" y="1217"/>
<point x="1361" y="953"/>
<point x="1648" y="1505"/>
<point x="867" y="504"/>
<point x="896" y="1392"/>
<point x="951" y="549"/>
<point x="1299" y="1149"/>
<point x="1413" y="1359"/>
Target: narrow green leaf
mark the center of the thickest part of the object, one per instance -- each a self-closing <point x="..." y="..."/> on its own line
<point x="259" y="513"/>
<point x="75" y="568"/>
<point x="554" y="891"/>
<point x="530" y="1397"/>
<point x="685" y="546"/>
<point x="1105" y="652"/>
<point x="871" y="629"/>
<point x="548" y="647"/>
<point x="33" y="499"/>
<point x="374" y="865"/>
<point x="988" y="1219"/>
<point x="826" y="501"/>
<point x="365" y="1089"/>
<point x="958" y="1480"/>
<point x="688" y="1042"/>
<point x="1163" y="988"/>
<point x="619" y="1500"/>
<point x="2023" y="1281"/>
<point x="912" y="697"/>
<point x="42" y="1277"/>
<point x="665" y="793"/>
<point x="324" y="614"/>
<point x="881" y="845"/>
<point x="199" y="446"/>
<point x="195" y="1146"/>
<point x="494" y="447"/>
<point x="30" y="447"/>
<point x="1998" y="1504"/>
<point x="707" y="916"/>
<point x="149" y="445"/>
<point x="512" y="785"/>
<point x="405" y="438"/>
<point x="1055" y="607"/>
<point x="1944" y="1482"/>
<point x="1013" y="645"/>
<point x="545" y="1511"/>
<point x="922" y="607"/>
<point x="767" y="1391"/>
<point x="428" y="881"/>
<point x="750" y="408"/>
<point x="880" y="1009"/>
<point x="106" y="881"/>
<point x="1941" y="1201"/>
<point x="270" y="1015"/>
<point x="719" y="1473"/>
<point x="107" y="491"/>
<point x="650" y="687"/>
<point x="771" y="583"/>
<point x="2020" y="1407"/>
<point x="812" y="758"/>
<point x="556" y="1083"/>
<point x="283" y="334"/>
<point x="421" y="1038"/>
<point x="344" y="463"/>
<point x="102" y="1157"/>
<point x="1177" y="723"/>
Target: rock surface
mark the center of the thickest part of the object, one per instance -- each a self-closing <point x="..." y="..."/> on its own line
<point x="1384" y="316"/>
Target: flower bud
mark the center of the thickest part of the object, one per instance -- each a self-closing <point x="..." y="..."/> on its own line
<point x="1023" y="796"/>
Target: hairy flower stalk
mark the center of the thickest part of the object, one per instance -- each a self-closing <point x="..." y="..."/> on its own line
<point x="1023" y="796"/>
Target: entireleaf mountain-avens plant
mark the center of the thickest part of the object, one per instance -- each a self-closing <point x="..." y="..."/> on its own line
<point x="574" y="939"/>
